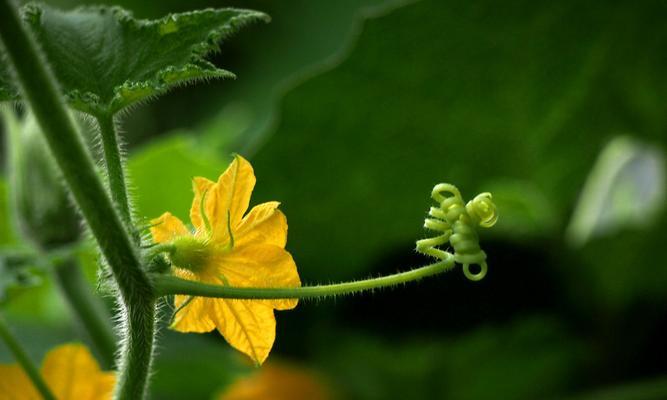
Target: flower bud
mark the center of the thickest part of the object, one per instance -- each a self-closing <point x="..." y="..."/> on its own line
<point x="40" y="205"/>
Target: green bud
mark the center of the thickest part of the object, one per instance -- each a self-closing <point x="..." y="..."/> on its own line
<point x="191" y="253"/>
<point x="39" y="202"/>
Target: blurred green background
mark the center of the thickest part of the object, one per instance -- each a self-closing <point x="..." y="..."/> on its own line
<point x="350" y="112"/>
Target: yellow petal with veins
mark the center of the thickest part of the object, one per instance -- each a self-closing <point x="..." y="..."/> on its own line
<point x="200" y="186"/>
<point x="264" y="224"/>
<point x="249" y="326"/>
<point x="167" y="228"/>
<point x="230" y="196"/>
<point x="191" y="312"/>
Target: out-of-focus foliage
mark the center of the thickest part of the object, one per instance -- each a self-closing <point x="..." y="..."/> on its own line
<point x="626" y="188"/>
<point x="162" y="174"/>
<point x="278" y="381"/>
<point x="18" y="272"/>
<point x="528" y="359"/>
<point x="43" y="211"/>
<point x="6" y="233"/>
<point x="195" y="367"/>
<point x="70" y="371"/>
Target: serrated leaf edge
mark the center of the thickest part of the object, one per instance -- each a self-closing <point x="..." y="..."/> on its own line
<point x="90" y="103"/>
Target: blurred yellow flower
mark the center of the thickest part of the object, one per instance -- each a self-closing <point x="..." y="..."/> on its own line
<point x="278" y="382"/>
<point x="228" y="248"/>
<point x="70" y="372"/>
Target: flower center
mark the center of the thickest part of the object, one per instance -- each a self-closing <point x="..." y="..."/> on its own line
<point x="192" y="253"/>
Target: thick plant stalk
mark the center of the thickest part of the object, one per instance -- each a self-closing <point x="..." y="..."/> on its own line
<point x="38" y="87"/>
<point x="88" y="308"/>
<point x="171" y="285"/>
<point x="24" y="361"/>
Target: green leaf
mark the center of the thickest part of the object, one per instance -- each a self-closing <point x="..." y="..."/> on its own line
<point x="106" y="60"/>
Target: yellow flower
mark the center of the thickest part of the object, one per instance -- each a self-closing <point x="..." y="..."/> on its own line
<point x="228" y="248"/>
<point x="70" y="372"/>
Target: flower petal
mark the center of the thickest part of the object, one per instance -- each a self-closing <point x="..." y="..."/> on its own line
<point x="193" y="316"/>
<point x="230" y="196"/>
<point x="248" y="325"/>
<point x="261" y="265"/>
<point x="166" y="228"/>
<point x="16" y="384"/>
<point x="264" y="224"/>
<point x="73" y="374"/>
<point x="199" y="186"/>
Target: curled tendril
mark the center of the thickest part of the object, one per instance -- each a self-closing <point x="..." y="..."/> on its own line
<point x="482" y="210"/>
<point x="457" y="224"/>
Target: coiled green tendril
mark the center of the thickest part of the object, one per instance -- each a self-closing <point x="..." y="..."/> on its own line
<point x="457" y="224"/>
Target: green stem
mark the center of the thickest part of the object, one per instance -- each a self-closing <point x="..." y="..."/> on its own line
<point x="137" y="300"/>
<point x="171" y="285"/>
<point x="138" y="347"/>
<point x="26" y="363"/>
<point x="114" y="166"/>
<point x="87" y="307"/>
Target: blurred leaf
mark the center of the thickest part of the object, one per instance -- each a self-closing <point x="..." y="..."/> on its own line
<point x="526" y="211"/>
<point x="162" y="173"/>
<point x="618" y="272"/>
<point x="477" y="95"/>
<point x="194" y="367"/>
<point x="304" y="38"/>
<point x="278" y="381"/>
<point x="532" y="358"/>
<point x="19" y="270"/>
<point x="6" y="229"/>
<point x="7" y="89"/>
<point x="653" y="389"/>
<point x="626" y="188"/>
<point x="106" y="60"/>
<point x="41" y="204"/>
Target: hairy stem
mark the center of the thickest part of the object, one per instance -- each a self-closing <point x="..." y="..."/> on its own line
<point x="39" y="88"/>
<point x="24" y="361"/>
<point x="138" y="344"/>
<point x="87" y="307"/>
<point x="114" y="167"/>
<point x="171" y="285"/>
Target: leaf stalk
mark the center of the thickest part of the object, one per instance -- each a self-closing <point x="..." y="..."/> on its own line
<point x="113" y="161"/>
<point x="24" y="361"/>
<point x="87" y="307"/>
<point x="170" y="285"/>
